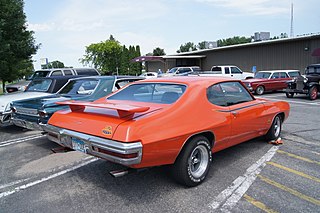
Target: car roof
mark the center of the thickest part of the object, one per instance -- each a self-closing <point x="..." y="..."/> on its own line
<point x="272" y="71"/>
<point x="189" y="80"/>
<point x="108" y="77"/>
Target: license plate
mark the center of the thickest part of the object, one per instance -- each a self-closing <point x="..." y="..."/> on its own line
<point x="79" y="145"/>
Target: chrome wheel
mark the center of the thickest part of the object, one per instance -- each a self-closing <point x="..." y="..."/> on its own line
<point x="260" y="90"/>
<point x="198" y="161"/>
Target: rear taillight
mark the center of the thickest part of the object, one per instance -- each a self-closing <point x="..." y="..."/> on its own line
<point x="123" y="156"/>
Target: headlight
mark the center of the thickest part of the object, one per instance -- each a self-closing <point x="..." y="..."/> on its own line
<point x="305" y="80"/>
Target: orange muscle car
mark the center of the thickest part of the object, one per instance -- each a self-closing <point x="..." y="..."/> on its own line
<point x="178" y="121"/>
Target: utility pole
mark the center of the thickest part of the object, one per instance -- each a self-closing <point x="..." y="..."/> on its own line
<point x="291" y="28"/>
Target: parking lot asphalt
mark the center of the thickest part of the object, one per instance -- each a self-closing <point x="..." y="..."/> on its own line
<point x="251" y="177"/>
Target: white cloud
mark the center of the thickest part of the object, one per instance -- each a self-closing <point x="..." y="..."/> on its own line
<point x="252" y="7"/>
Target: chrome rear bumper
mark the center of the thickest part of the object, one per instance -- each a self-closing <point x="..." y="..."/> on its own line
<point x="114" y="151"/>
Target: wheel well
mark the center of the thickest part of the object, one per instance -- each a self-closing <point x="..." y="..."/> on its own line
<point x="282" y="116"/>
<point x="208" y="134"/>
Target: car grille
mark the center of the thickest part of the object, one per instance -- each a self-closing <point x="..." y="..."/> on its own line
<point x="26" y="111"/>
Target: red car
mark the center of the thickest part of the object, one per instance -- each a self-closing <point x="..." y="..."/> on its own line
<point x="272" y="80"/>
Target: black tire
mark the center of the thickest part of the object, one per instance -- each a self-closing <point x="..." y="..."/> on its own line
<point x="313" y="93"/>
<point x="259" y="90"/>
<point x="289" y="94"/>
<point x="275" y="129"/>
<point x="193" y="163"/>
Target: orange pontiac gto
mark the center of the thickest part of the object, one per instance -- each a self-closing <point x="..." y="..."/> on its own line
<point x="178" y="121"/>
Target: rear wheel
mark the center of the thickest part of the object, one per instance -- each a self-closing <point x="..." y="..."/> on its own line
<point x="289" y="94"/>
<point x="259" y="90"/>
<point x="313" y="93"/>
<point x="275" y="129"/>
<point x="193" y="163"/>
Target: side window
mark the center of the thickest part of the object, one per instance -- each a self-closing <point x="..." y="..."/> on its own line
<point x="235" y="70"/>
<point x="235" y="93"/>
<point x="57" y="73"/>
<point x="227" y="70"/>
<point x="227" y="94"/>
<point x="68" y="72"/>
<point x="283" y="75"/>
<point x="215" y="95"/>
<point x="275" y="75"/>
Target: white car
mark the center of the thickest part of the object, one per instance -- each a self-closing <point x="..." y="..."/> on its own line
<point x="149" y="75"/>
<point x="39" y="87"/>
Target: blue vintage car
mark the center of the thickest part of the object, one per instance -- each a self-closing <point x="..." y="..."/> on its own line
<point x="35" y="112"/>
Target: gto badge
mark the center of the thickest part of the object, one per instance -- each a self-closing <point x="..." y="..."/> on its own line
<point x="107" y="130"/>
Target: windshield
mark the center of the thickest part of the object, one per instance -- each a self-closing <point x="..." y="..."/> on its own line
<point x="79" y="87"/>
<point x="294" y="74"/>
<point x="40" y="74"/>
<point x="312" y="70"/>
<point x="39" y="85"/>
<point x="262" y="75"/>
<point x="151" y="92"/>
<point x="173" y="70"/>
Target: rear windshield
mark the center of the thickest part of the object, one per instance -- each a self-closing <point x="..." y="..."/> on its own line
<point x="86" y="72"/>
<point x="262" y="75"/>
<point x="39" y="85"/>
<point x="151" y="92"/>
<point x="40" y="74"/>
<point x="79" y="87"/>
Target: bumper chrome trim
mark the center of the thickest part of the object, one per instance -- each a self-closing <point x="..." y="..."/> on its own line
<point x="92" y="143"/>
<point x="26" y="124"/>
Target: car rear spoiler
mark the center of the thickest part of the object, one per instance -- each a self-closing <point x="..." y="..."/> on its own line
<point x="122" y="109"/>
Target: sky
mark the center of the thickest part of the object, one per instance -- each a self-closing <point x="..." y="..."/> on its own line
<point x="65" y="27"/>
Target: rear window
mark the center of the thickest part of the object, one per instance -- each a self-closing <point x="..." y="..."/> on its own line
<point x="79" y="87"/>
<point x="86" y="72"/>
<point x="151" y="92"/>
<point x="39" y="85"/>
<point x="40" y="74"/>
<point x="216" y="69"/>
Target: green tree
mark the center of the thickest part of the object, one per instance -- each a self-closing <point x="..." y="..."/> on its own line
<point x="233" y="41"/>
<point x="104" y="55"/>
<point x="202" y="45"/>
<point x="17" y="44"/>
<point x="158" y="51"/>
<point x="187" y="47"/>
<point x="53" y="64"/>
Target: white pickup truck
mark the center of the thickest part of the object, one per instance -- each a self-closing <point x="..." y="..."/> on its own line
<point x="226" y="71"/>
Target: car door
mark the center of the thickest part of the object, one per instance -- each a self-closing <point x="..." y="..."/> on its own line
<point x="236" y="73"/>
<point x="247" y="114"/>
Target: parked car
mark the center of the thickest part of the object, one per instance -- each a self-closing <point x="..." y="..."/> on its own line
<point x="270" y="80"/>
<point x="39" y="87"/>
<point x="308" y="84"/>
<point x="225" y="71"/>
<point x="180" y="71"/>
<point x="22" y="85"/>
<point x="35" y="112"/>
<point x="149" y="75"/>
<point x="178" y="121"/>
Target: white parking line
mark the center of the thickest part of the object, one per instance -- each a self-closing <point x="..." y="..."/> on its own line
<point x="229" y="197"/>
<point x="25" y="186"/>
<point x="20" y="140"/>
<point x="13" y="183"/>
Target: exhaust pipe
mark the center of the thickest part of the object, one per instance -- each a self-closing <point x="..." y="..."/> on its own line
<point x="119" y="173"/>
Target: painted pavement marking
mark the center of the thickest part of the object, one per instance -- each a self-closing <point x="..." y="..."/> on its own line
<point x="20" y="140"/>
<point x="229" y="197"/>
<point x="259" y="204"/>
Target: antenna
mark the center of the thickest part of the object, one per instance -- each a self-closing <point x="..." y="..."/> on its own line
<point x="291" y="29"/>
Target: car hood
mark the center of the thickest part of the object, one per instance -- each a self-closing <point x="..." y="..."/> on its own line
<point x="98" y="119"/>
<point x="6" y="99"/>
